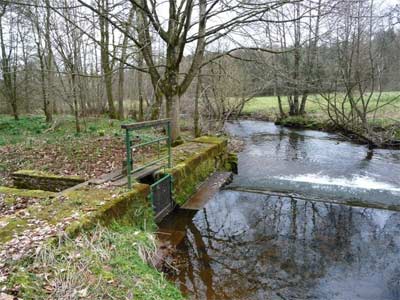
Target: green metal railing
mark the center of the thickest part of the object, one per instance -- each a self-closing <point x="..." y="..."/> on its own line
<point x="130" y="132"/>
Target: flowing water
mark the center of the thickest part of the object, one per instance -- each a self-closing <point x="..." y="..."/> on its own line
<point x="291" y="239"/>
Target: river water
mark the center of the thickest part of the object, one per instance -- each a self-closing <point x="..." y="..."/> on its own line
<point x="296" y="236"/>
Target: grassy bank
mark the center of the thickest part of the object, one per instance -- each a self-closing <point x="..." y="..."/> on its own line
<point x="107" y="263"/>
<point x="267" y="108"/>
<point x="384" y="119"/>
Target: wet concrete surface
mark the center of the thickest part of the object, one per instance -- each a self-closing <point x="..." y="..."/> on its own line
<point x="210" y="187"/>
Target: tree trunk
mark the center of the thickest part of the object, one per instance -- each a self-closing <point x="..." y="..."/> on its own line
<point x="105" y="59"/>
<point x="8" y="77"/>
<point x="121" y="79"/>
<point x="46" y="103"/>
<point x="76" y="105"/>
<point x="49" y="59"/>
<point x="156" y="106"/>
<point x="121" y="72"/>
<point x="281" y="112"/>
<point x="303" y="103"/>
<point x="294" y="111"/>
<point x="173" y="112"/>
<point x="196" y="116"/>
<point x="140" y="90"/>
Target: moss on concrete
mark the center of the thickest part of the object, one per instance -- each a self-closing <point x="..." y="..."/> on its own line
<point x="26" y="193"/>
<point x="32" y="179"/>
<point x="196" y="165"/>
<point x="36" y="173"/>
<point x="87" y="207"/>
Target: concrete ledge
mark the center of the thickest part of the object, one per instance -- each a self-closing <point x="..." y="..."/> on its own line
<point x="36" y="180"/>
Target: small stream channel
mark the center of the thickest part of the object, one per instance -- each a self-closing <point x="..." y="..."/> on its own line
<point x="295" y="236"/>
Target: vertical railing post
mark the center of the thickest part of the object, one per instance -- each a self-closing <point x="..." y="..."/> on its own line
<point x="128" y="158"/>
<point x="169" y="144"/>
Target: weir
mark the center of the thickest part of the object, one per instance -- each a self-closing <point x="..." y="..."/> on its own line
<point x="299" y="221"/>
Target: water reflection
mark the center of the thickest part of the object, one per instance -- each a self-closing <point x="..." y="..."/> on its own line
<point x="248" y="246"/>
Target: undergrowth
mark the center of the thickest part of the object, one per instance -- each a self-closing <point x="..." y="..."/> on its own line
<point x="103" y="264"/>
<point x="32" y="127"/>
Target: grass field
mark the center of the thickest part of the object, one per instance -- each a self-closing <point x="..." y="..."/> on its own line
<point x="267" y="107"/>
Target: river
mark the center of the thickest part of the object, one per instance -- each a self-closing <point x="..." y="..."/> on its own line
<point x="296" y="222"/>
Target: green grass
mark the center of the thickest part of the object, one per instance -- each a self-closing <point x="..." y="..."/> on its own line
<point x="31" y="128"/>
<point x="267" y="107"/>
<point x="103" y="264"/>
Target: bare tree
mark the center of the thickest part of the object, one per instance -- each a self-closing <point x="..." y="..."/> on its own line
<point x="9" y="63"/>
<point x="103" y="8"/>
<point x="355" y="93"/>
<point x="180" y="29"/>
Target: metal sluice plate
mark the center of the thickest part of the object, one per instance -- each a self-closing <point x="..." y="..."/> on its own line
<point x="161" y="196"/>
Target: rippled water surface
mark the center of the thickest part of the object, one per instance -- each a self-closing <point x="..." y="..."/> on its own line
<point x="245" y="245"/>
<point x="314" y="163"/>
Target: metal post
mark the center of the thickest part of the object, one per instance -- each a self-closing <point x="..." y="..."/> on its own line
<point x="169" y="144"/>
<point x="128" y="158"/>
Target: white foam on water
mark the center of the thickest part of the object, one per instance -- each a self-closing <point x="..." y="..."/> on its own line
<point x="357" y="181"/>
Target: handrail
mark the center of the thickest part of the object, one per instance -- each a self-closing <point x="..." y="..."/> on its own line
<point x="145" y="124"/>
<point x="130" y="144"/>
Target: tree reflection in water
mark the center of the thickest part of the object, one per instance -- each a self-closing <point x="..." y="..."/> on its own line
<point x="249" y="246"/>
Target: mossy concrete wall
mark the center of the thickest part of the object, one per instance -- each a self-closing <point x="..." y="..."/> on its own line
<point x="193" y="163"/>
<point x="127" y="208"/>
<point x="35" y="180"/>
<point x="187" y="174"/>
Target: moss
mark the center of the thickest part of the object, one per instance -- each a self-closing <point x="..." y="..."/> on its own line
<point x="195" y="167"/>
<point x="10" y="227"/>
<point x="27" y="283"/>
<point x="26" y="193"/>
<point x="358" y="203"/>
<point x="128" y="207"/>
<point x="89" y="206"/>
<point x="231" y="163"/>
<point x="210" y="140"/>
<point x="36" y="173"/>
<point x="179" y="141"/>
<point x="105" y="261"/>
<point x="302" y="122"/>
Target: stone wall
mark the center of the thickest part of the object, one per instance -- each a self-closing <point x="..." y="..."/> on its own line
<point x="35" y="180"/>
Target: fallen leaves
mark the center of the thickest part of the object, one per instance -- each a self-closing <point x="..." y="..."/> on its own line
<point x="14" y="204"/>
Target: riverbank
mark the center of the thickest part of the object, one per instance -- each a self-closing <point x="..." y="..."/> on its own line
<point x="385" y="119"/>
<point x="95" y="241"/>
